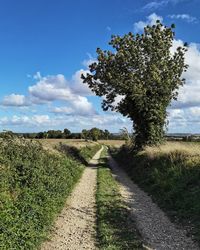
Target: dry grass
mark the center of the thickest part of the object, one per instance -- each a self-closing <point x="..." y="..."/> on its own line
<point x="115" y="143"/>
<point x="78" y="143"/>
<point x="186" y="148"/>
<point x="51" y="143"/>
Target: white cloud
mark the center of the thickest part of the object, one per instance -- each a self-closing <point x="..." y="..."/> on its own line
<point x="15" y="100"/>
<point x="185" y="17"/>
<point x="50" y="88"/>
<point x="57" y="88"/>
<point x="40" y="119"/>
<point x="89" y="60"/>
<point x="184" y="120"/>
<point x="160" y="4"/>
<point x="155" y="5"/>
<point x="77" y="84"/>
<point x="79" y="106"/>
<point x="62" y="110"/>
<point x="36" y="120"/>
<point x="151" y="20"/>
<point x="189" y="93"/>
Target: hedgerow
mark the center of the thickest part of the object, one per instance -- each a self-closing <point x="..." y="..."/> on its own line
<point x="170" y="174"/>
<point x="34" y="184"/>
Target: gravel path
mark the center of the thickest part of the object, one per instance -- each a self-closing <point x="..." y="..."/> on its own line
<point x="75" y="228"/>
<point x="156" y="229"/>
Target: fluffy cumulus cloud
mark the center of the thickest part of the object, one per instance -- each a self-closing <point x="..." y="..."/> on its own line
<point x="77" y="84"/>
<point x="15" y="100"/>
<point x="55" y="88"/>
<point x="184" y="17"/>
<point x="51" y="88"/>
<point x="189" y="93"/>
<point x="150" y="20"/>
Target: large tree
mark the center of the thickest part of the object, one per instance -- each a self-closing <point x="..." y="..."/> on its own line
<point x="146" y="74"/>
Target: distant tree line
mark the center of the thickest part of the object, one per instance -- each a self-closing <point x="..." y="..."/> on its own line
<point x="91" y="134"/>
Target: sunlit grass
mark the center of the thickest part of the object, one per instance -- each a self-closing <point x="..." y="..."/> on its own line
<point x="170" y="173"/>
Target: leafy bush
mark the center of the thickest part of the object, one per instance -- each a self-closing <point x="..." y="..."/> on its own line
<point x="34" y="185"/>
<point x="89" y="151"/>
<point x="172" y="177"/>
<point x="83" y="154"/>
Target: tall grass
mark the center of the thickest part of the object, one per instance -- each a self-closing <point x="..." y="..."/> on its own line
<point x="171" y="175"/>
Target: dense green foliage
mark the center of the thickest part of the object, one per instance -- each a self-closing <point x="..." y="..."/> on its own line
<point x="95" y="134"/>
<point x="89" y="151"/>
<point x="83" y="155"/>
<point x="144" y="72"/>
<point x="172" y="179"/>
<point x="66" y="134"/>
<point x="52" y="134"/>
<point x="115" y="231"/>
<point x="34" y="185"/>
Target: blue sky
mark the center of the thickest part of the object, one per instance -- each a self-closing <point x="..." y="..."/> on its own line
<point x="45" y="45"/>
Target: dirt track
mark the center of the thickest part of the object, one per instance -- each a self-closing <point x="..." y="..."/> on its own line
<point x="75" y="228"/>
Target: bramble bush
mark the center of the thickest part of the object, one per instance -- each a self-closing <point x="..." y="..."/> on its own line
<point x="83" y="154"/>
<point x="34" y="184"/>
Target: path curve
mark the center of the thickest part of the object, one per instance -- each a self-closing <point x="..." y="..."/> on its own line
<point x="156" y="229"/>
<point x="75" y="228"/>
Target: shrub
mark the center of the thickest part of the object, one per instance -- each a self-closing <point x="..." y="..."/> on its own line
<point x="83" y="154"/>
<point x="34" y="184"/>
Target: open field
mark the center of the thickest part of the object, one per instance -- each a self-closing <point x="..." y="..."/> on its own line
<point x="115" y="143"/>
<point x="78" y="143"/>
<point x="51" y="143"/>
<point x="187" y="148"/>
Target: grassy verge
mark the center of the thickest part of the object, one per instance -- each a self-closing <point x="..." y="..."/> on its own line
<point x="84" y="154"/>
<point x="115" y="229"/>
<point x="171" y="175"/>
<point x="34" y="185"/>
